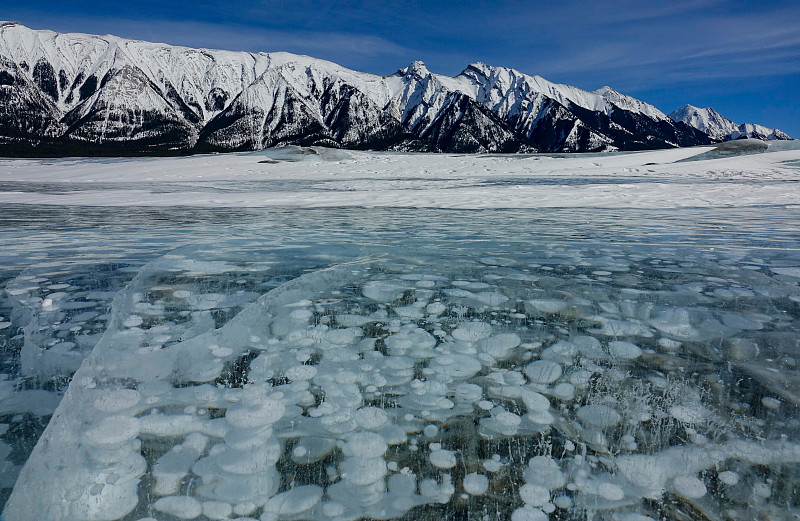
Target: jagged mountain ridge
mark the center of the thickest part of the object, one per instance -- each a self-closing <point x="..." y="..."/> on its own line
<point x="82" y="94"/>
<point x="721" y="128"/>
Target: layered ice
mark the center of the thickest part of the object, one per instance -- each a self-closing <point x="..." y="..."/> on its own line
<point x="563" y="380"/>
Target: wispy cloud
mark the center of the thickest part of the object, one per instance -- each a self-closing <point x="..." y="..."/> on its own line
<point x="637" y="42"/>
<point x="696" y="46"/>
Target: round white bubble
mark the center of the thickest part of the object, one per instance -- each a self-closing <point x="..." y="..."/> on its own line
<point x="472" y="331"/>
<point x="371" y="418"/>
<point x="599" y="415"/>
<point x="610" y="491"/>
<point x="366" y="445"/>
<point x="183" y="507"/>
<point x="564" y="390"/>
<point x="301" y="373"/>
<point x="117" y="400"/>
<point x="543" y="371"/>
<point x="114" y="430"/>
<point x="294" y="501"/>
<point x="534" y="494"/>
<point x="624" y="350"/>
<point x="258" y="415"/>
<point x="729" y="477"/>
<point x="430" y="431"/>
<point x="689" y="486"/>
<point x="443" y="459"/>
<point x="455" y="366"/>
<point x="529" y="513"/>
<point x="475" y="484"/>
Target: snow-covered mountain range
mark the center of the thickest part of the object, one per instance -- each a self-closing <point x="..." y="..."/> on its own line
<point x="721" y="128"/>
<point x="84" y="94"/>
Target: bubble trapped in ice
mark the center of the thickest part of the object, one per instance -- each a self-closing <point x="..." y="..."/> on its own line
<point x="384" y="389"/>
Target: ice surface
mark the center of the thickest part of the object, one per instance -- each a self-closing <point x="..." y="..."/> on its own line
<point x="348" y="364"/>
<point x="457" y="379"/>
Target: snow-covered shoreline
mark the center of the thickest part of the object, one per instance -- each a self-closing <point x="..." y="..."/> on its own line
<point x="633" y="180"/>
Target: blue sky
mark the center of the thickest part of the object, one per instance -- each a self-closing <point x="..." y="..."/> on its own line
<point x="741" y="58"/>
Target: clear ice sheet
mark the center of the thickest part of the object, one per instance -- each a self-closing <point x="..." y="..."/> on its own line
<point x="371" y="364"/>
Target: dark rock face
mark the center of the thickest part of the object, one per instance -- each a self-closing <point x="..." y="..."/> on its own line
<point x="216" y="98"/>
<point x="105" y="117"/>
<point x="27" y="115"/>
<point x="45" y="78"/>
<point x="354" y="121"/>
<point x="463" y="126"/>
<point x="632" y="131"/>
<point x="129" y="98"/>
<point x="88" y="87"/>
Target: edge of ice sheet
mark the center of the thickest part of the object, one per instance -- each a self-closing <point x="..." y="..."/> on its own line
<point x="59" y="456"/>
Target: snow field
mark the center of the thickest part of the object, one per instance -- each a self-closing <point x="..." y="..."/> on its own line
<point x="628" y="180"/>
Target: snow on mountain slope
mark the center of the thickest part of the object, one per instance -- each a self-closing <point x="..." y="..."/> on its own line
<point x="440" y="116"/>
<point x="307" y="74"/>
<point x="620" y="121"/>
<point x="205" y="80"/>
<point x="418" y="96"/>
<point x="109" y="95"/>
<point x="628" y="103"/>
<point x="756" y="131"/>
<point x="495" y="86"/>
<point x="26" y="112"/>
<point x="708" y="120"/>
<point x="291" y="103"/>
<point x="721" y="128"/>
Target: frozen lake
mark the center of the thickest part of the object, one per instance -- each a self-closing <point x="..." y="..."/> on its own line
<point x="294" y="335"/>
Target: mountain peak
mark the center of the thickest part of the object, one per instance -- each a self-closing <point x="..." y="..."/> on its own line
<point x="479" y="66"/>
<point x="691" y="109"/>
<point x="721" y="128"/>
<point x="485" y="70"/>
<point x="417" y="68"/>
<point x="626" y="102"/>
